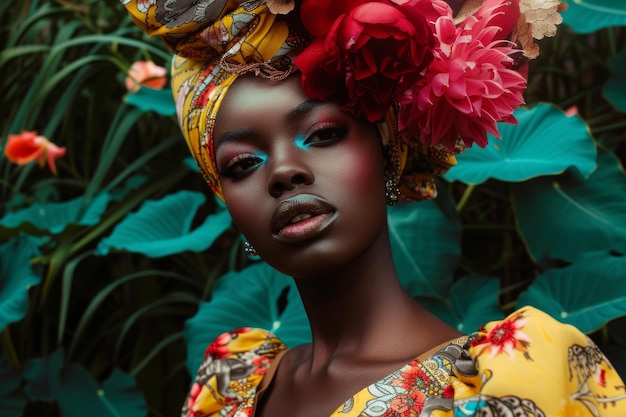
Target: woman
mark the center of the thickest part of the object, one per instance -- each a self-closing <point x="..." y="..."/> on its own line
<point x="321" y="124"/>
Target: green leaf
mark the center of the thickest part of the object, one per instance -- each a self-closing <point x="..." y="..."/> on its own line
<point x="587" y="294"/>
<point x="586" y="16"/>
<point x="78" y="393"/>
<point x="81" y="395"/>
<point x="150" y="99"/>
<point x="17" y="275"/>
<point x="615" y="89"/>
<point x="425" y="242"/>
<point x="42" y="376"/>
<point x="560" y="217"/>
<point x="12" y="400"/>
<point x="55" y="217"/>
<point x="258" y="296"/>
<point x="545" y="142"/>
<point x="472" y="302"/>
<point x="162" y="227"/>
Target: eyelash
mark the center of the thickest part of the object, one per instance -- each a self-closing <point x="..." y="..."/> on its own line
<point x="241" y="165"/>
<point x="337" y="132"/>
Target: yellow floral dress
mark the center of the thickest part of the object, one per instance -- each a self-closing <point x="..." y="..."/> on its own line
<point x="527" y="365"/>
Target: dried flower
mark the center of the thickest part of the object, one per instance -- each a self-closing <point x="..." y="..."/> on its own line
<point x="28" y="146"/>
<point x="145" y="74"/>
<point x="280" y="6"/>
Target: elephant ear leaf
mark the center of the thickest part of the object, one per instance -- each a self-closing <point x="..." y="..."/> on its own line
<point x="78" y="393"/>
<point x="12" y="399"/>
<point x="587" y="16"/>
<point x="587" y="294"/>
<point x="532" y="148"/>
<point x="17" y="275"/>
<point x="150" y="99"/>
<point x="257" y="296"/>
<point x="55" y="217"/>
<point x="560" y="217"/>
<point x="163" y="227"/>
<point x="471" y="302"/>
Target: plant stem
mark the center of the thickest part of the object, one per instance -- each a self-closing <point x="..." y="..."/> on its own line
<point x="465" y="197"/>
<point x="6" y="343"/>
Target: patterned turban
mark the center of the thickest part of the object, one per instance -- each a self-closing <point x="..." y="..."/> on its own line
<point x="215" y="41"/>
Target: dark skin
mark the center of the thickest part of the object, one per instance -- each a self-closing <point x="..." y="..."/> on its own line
<point x="364" y="325"/>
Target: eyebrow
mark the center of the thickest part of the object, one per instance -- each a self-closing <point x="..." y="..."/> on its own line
<point x="302" y="109"/>
<point x="234" y="136"/>
<point x="293" y="116"/>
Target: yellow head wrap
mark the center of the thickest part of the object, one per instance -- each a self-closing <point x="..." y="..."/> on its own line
<point x="214" y="41"/>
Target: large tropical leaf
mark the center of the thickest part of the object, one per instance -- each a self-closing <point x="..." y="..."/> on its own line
<point x="425" y="240"/>
<point x="587" y="294"/>
<point x="55" y="217"/>
<point x="615" y="89"/>
<point x="17" y="275"/>
<point x="560" y="217"/>
<point x="12" y="400"/>
<point x="545" y="142"/>
<point x="163" y="227"/>
<point x="42" y="376"/>
<point x="258" y="296"/>
<point x="472" y="302"/>
<point x="586" y="16"/>
<point x="81" y="395"/>
<point x="78" y="393"/>
<point x="149" y="99"/>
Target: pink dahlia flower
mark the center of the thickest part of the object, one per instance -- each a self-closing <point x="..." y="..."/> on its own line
<point x="472" y="84"/>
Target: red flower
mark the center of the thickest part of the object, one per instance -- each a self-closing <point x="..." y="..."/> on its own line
<point x="371" y="53"/>
<point x="414" y="376"/>
<point x="219" y="349"/>
<point x="28" y="146"/>
<point x="145" y="74"/>
<point x="473" y="82"/>
<point x="506" y="336"/>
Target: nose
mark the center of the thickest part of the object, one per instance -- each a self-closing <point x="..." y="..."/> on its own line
<point x="289" y="170"/>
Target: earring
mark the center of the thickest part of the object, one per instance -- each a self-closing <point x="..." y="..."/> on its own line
<point x="392" y="193"/>
<point x="248" y="249"/>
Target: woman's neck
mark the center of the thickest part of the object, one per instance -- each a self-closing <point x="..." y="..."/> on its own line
<point x="357" y="310"/>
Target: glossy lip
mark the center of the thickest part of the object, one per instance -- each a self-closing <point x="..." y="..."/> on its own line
<point x="321" y="213"/>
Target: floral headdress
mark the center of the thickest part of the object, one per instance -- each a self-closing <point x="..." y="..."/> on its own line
<point x="435" y="75"/>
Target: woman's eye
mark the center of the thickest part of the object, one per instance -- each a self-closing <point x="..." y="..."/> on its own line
<point x="240" y="166"/>
<point x="326" y="136"/>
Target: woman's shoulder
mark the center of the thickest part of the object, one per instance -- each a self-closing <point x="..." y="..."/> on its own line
<point x="530" y="364"/>
<point x="232" y="369"/>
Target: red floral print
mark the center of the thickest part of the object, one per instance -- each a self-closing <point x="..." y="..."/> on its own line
<point x="506" y="336"/>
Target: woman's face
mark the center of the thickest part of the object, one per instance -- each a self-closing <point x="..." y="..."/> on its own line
<point x="302" y="180"/>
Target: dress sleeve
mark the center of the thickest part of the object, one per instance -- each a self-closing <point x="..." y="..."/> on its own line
<point x="233" y="367"/>
<point x="532" y="365"/>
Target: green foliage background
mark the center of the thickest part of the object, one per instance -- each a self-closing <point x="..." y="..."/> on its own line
<point x="107" y="270"/>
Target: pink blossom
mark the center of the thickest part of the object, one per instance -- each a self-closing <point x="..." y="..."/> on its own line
<point x="145" y="74"/>
<point x="472" y="84"/>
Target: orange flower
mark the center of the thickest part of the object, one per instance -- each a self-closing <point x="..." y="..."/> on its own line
<point x="28" y="146"/>
<point x="145" y="74"/>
